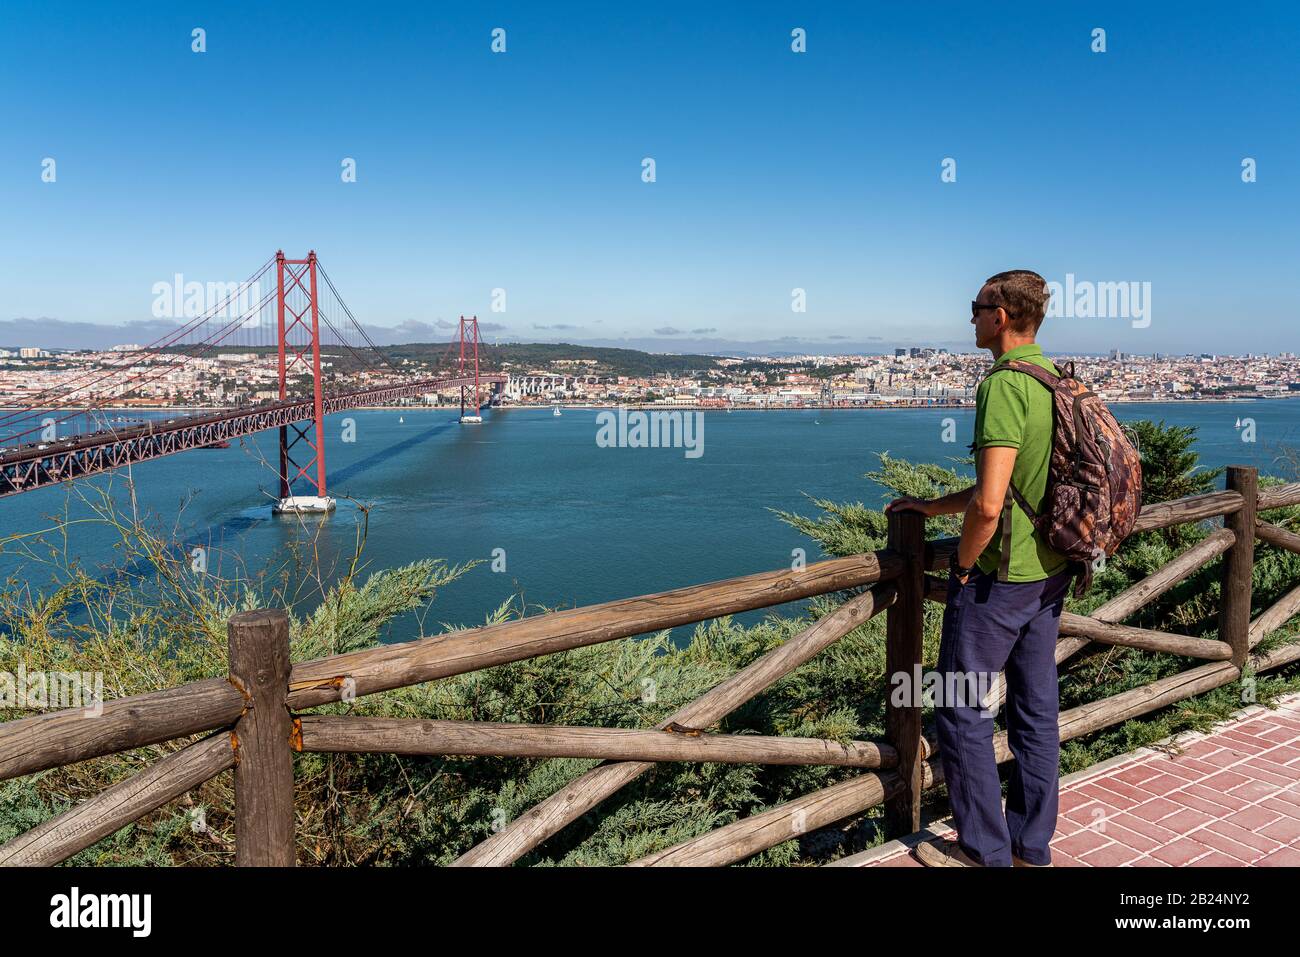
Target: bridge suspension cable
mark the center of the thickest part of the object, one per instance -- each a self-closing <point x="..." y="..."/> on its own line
<point x="309" y="328"/>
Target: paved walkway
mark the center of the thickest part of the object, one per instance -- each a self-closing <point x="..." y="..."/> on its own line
<point x="1229" y="798"/>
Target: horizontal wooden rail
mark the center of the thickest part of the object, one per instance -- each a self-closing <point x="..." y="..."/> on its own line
<point x="1166" y="577"/>
<point x="1279" y="496"/>
<point x="939" y="552"/>
<point x="758" y="832"/>
<point x="66" y="737"/>
<point x="1270" y="620"/>
<point x="59" y="838"/>
<point x="1193" y="508"/>
<point x="581" y="795"/>
<point x="76" y="734"/>
<point x="394" y="666"/>
<point x="1277" y="537"/>
<point x="1082" y="626"/>
<point x="418" y="736"/>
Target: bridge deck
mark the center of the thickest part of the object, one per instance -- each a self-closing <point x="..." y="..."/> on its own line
<point x="37" y="464"/>
<point x="1229" y="798"/>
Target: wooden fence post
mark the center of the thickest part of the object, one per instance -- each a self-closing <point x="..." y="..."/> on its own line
<point x="904" y="627"/>
<point x="259" y="668"/>
<point x="1239" y="565"/>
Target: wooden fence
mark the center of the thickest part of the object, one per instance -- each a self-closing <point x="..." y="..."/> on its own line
<point x="257" y="714"/>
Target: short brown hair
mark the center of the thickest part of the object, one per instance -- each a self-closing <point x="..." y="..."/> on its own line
<point x="1023" y="294"/>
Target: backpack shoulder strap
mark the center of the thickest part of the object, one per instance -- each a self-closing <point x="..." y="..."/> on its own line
<point x="1036" y="372"/>
<point x="1014" y="496"/>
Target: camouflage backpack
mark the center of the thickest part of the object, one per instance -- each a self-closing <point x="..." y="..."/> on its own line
<point x="1094" y="476"/>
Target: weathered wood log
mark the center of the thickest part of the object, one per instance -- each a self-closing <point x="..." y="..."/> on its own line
<point x="418" y="736"/>
<point x="1276" y="658"/>
<point x="78" y="734"/>
<point x="904" y="633"/>
<point x="76" y="829"/>
<point x="259" y="666"/>
<point x="585" y="792"/>
<point x="1278" y="496"/>
<point x="1193" y="508"/>
<point x="1166" y="577"/>
<point x="397" y="665"/>
<point x="1273" y="618"/>
<point x="1096" y="715"/>
<point x="939" y="552"/>
<point x="758" y="832"/>
<point x="1239" y="565"/>
<point x="936" y="589"/>
<point x="1278" y="537"/>
<point x="1082" y="626"/>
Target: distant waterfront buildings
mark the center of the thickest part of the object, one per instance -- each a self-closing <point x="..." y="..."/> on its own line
<point x="910" y="376"/>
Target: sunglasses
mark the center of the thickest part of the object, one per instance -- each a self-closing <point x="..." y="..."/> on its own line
<point x="975" y="307"/>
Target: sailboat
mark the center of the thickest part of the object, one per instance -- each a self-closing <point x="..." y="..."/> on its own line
<point x="556" y="410"/>
<point x="401" y="419"/>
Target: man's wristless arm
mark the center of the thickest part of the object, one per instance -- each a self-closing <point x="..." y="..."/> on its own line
<point x="952" y="503"/>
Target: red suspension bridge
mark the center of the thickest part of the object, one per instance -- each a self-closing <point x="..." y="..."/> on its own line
<point x="54" y="437"/>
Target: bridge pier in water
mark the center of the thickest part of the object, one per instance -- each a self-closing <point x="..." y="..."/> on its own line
<point x="468" y="338"/>
<point x="298" y="317"/>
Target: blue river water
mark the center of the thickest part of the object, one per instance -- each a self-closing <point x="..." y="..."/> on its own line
<point x="573" y="522"/>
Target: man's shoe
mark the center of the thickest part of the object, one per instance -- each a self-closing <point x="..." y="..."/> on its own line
<point x="944" y="853"/>
<point x="1017" y="862"/>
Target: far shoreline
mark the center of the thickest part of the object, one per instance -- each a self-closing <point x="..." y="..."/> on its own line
<point x="653" y="407"/>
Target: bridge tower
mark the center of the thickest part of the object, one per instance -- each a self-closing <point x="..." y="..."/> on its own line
<point x="469" y="342"/>
<point x="302" y="444"/>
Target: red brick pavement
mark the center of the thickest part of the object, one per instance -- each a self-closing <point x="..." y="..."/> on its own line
<point x="1227" y="798"/>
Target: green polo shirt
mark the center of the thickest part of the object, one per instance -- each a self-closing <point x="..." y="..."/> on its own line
<point x="1013" y="410"/>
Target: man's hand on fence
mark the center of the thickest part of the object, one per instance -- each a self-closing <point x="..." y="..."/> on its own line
<point x="909" y="504"/>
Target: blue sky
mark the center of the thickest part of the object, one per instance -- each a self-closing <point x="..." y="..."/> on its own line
<point x="775" y="170"/>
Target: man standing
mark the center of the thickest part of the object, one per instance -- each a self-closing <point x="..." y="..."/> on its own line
<point x="1006" y="588"/>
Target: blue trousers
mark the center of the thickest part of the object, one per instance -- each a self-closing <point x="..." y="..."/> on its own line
<point x="991" y="626"/>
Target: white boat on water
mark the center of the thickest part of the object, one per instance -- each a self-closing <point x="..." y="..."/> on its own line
<point x="556" y="411"/>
